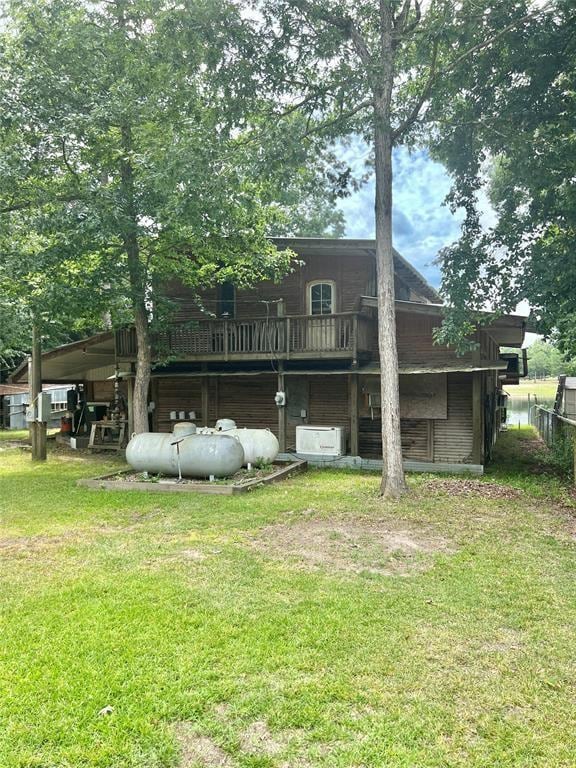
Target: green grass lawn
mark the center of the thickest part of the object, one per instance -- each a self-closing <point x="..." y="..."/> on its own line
<point x="544" y="389"/>
<point x="304" y="624"/>
<point x="10" y="435"/>
<point x="7" y="435"/>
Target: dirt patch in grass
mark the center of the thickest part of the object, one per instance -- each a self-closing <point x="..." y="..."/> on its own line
<point x="33" y="545"/>
<point x="471" y="488"/>
<point x="258" y="740"/>
<point x="199" y="751"/>
<point x="6" y="445"/>
<point x="506" y="640"/>
<point x="371" y="546"/>
<point x="531" y="442"/>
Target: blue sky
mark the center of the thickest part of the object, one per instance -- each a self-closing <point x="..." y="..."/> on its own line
<point x="422" y="223"/>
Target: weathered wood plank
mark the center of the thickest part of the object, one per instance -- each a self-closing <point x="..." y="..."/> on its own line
<point x="105" y="482"/>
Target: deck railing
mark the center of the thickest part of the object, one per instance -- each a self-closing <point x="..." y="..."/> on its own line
<point x="347" y="333"/>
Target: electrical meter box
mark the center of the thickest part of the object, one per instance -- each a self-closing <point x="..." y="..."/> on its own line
<point x="43" y="409"/>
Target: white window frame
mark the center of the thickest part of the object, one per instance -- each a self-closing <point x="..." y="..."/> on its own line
<point x="311" y="285"/>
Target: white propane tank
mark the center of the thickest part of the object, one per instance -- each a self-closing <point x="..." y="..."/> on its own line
<point x="258" y="444"/>
<point x="200" y="455"/>
<point x="183" y="428"/>
<point x="225" y="425"/>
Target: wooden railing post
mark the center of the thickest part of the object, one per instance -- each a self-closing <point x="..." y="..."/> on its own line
<point x="354" y="433"/>
<point x="287" y="332"/>
<point x="225" y="339"/>
<point x="355" y="341"/>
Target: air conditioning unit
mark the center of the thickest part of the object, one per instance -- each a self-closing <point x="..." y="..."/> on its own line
<point x="320" y="441"/>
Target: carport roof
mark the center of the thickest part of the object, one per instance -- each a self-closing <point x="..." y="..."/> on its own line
<point x="68" y="363"/>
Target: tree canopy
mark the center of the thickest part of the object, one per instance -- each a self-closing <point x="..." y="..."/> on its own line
<point x="509" y="130"/>
<point x="139" y="149"/>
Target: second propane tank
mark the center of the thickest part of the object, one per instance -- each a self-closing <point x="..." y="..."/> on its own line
<point x="259" y="444"/>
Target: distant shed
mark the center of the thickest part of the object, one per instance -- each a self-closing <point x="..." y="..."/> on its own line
<point x="17" y="398"/>
<point x="569" y="404"/>
<point x="6" y="392"/>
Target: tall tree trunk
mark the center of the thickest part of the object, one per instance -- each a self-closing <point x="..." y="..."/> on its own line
<point x="143" y="368"/>
<point x="37" y="428"/>
<point x="143" y="341"/>
<point x="138" y="284"/>
<point x="393" y="482"/>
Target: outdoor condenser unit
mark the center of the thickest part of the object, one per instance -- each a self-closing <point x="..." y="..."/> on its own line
<point x="320" y="441"/>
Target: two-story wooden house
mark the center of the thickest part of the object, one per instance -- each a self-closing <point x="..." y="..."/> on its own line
<point x="313" y="337"/>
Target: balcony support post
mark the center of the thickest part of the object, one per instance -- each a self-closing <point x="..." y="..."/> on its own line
<point x="355" y="342"/>
<point x="204" y="404"/>
<point x="353" y="405"/>
<point x="281" y="409"/>
<point x="130" y="400"/>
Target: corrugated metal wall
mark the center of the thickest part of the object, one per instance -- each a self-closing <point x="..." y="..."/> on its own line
<point x="453" y="437"/>
<point x="441" y="440"/>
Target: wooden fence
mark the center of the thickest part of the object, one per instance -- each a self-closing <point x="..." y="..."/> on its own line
<point x="554" y="429"/>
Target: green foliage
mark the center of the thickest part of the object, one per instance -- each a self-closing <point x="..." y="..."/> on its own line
<point x="545" y="359"/>
<point x="508" y="129"/>
<point x="561" y="453"/>
<point x="139" y="128"/>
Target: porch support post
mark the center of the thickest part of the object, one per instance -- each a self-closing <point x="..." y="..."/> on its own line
<point x="130" y="392"/>
<point x="204" y="405"/>
<point x="353" y="396"/>
<point x="477" y="418"/>
<point x="281" y="409"/>
<point x="37" y="428"/>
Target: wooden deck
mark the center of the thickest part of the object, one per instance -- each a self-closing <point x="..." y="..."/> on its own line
<point x="344" y="335"/>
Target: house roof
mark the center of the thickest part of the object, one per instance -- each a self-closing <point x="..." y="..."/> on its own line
<point x="13" y="389"/>
<point x="309" y="246"/>
<point x="506" y="330"/>
<point x="450" y="367"/>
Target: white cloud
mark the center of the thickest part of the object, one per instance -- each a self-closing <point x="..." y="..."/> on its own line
<point x="422" y="224"/>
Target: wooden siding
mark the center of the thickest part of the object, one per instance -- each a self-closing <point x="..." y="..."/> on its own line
<point x="329" y="404"/>
<point x="453" y="439"/>
<point x="249" y="400"/>
<point x="414" y="336"/>
<point x="102" y="391"/>
<point x="442" y="440"/>
<point x="489" y="349"/>
<point x="176" y="394"/>
<point x="352" y="277"/>
<point x="416" y="436"/>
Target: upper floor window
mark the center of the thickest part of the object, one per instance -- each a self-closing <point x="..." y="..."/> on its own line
<point x="322" y="297"/>
<point x="227" y="300"/>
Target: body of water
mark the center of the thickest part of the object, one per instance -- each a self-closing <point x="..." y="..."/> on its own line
<point x="518" y="409"/>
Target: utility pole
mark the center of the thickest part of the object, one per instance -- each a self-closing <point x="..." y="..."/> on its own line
<point x="37" y="428"/>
